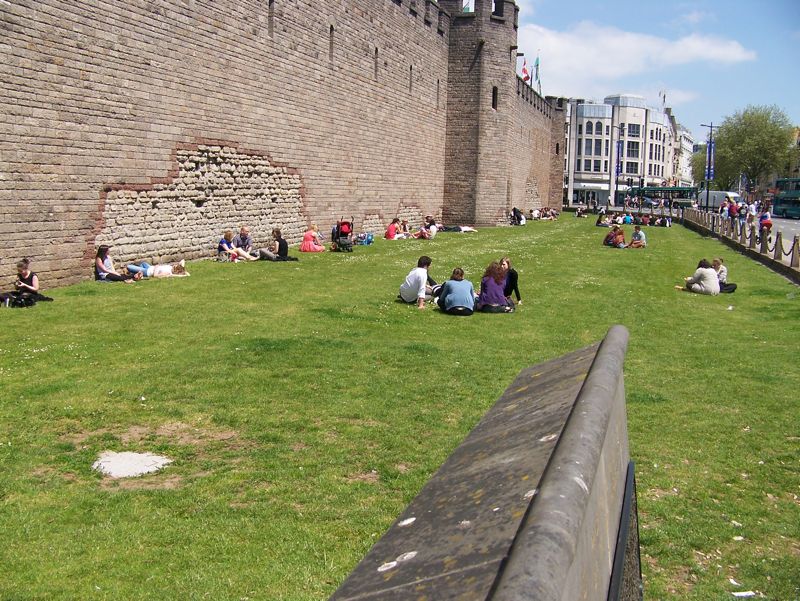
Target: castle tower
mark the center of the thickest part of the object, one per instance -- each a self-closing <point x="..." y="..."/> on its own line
<point x="481" y="100"/>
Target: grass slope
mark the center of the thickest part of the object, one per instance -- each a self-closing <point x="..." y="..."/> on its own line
<point x="305" y="408"/>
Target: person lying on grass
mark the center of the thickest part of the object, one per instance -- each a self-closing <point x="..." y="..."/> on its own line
<point x="165" y="270"/>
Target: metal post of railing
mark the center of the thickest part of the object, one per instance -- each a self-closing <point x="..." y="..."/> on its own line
<point x="778" y="253"/>
<point x="794" y="261"/>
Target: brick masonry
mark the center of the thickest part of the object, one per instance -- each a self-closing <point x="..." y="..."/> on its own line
<point x="300" y="111"/>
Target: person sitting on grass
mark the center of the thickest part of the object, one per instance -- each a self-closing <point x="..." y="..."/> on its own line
<point x="104" y="270"/>
<point x="278" y="250"/>
<point x="492" y="298"/>
<point x="165" y="270"/>
<point x="392" y="230"/>
<point x="457" y="296"/>
<point x="619" y="238"/>
<point x="609" y="237"/>
<point x="511" y="284"/>
<point x="722" y="276"/>
<point x="428" y="230"/>
<point x="416" y="288"/>
<point x="638" y="239"/>
<point x="703" y="281"/>
<point x="603" y="220"/>
<point x="226" y="251"/>
<point x="311" y="241"/>
<point x="244" y="240"/>
<point x="26" y="288"/>
<point x="27" y="281"/>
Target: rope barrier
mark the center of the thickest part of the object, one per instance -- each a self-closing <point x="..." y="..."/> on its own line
<point x="747" y="234"/>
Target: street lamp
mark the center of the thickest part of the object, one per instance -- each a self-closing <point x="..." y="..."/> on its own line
<point x="618" y="166"/>
<point x="709" y="158"/>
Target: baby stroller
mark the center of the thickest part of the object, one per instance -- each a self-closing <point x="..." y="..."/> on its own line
<point x="342" y="236"/>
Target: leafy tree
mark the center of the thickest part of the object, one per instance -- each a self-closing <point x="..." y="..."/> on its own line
<point x="699" y="164"/>
<point x="756" y="142"/>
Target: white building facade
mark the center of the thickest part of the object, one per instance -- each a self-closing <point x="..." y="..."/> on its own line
<point x="619" y="144"/>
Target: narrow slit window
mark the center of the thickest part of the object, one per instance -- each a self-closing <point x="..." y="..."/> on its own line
<point x="410" y="78"/>
<point x="330" y="45"/>
<point x="437" y="94"/>
<point x="376" y="64"/>
<point x="271" y="17"/>
<point x="494" y="97"/>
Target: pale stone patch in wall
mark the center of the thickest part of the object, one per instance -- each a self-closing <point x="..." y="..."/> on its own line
<point x="373" y="224"/>
<point x="533" y="199"/>
<point x="215" y="188"/>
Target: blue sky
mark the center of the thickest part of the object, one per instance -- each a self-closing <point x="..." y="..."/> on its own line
<point x="711" y="57"/>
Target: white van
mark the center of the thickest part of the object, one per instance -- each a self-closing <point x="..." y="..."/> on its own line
<point x="715" y="198"/>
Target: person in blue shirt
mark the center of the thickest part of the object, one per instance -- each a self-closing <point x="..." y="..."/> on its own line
<point x="638" y="239"/>
<point x="457" y="296"/>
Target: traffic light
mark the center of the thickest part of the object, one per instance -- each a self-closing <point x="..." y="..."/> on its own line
<point x="630" y="182"/>
<point x="641" y="182"/>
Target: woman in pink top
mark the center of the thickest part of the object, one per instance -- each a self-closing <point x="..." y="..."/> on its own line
<point x="311" y="242"/>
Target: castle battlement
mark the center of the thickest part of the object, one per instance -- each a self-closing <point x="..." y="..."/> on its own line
<point x="432" y="15"/>
<point x="526" y="93"/>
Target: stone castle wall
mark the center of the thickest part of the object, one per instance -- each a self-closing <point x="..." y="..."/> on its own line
<point x="97" y="99"/>
<point x="534" y="154"/>
<point x="153" y="125"/>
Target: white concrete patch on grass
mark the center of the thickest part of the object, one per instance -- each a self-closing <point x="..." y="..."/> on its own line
<point x="129" y="465"/>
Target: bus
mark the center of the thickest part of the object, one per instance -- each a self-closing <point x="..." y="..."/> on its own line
<point x="786" y="202"/>
<point x="682" y="196"/>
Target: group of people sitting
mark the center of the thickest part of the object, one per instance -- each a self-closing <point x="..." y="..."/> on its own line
<point x="615" y="238"/>
<point x="457" y="295"/>
<point x="516" y="217"/>
<point x="241" y="247"/>
<point x="708" y="278"/>
<point x="607" y="220"/>
<point x="399" y="230"/>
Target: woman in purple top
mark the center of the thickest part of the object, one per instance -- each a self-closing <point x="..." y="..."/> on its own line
<point x="492" y="298"/>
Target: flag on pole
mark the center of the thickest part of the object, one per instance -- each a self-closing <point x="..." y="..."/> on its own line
<point x="536" y="70"/>
<point x="525" y="75"/>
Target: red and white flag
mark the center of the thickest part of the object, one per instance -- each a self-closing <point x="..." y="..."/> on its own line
<point x="525" y="75"/>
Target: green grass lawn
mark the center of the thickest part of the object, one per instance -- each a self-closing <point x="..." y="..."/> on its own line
<point x="304" y="408"/>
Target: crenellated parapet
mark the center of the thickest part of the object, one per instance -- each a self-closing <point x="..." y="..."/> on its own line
<point x="430" y="12"/>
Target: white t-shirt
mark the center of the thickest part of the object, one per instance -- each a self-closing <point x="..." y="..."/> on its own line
<point x="414" y="286"/>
